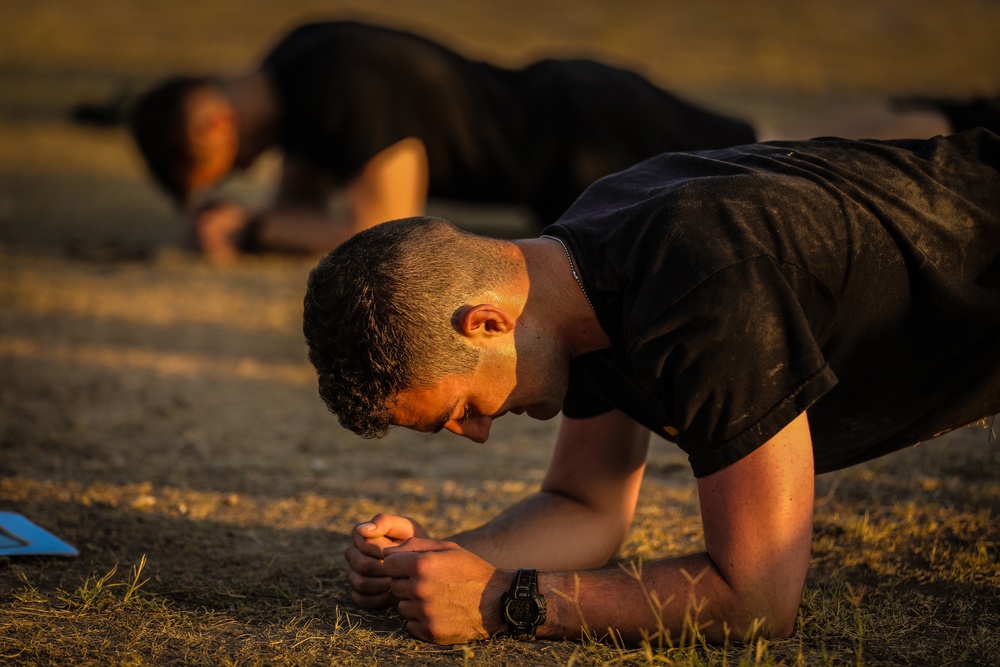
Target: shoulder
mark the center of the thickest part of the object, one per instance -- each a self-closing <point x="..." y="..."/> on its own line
<point x="333" y="39"/>
<point x="692" y="211"/>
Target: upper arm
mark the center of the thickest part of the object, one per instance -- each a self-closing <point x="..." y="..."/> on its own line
<point x="393" y="184"/>
<point x="599" y="462"/>
<point x="757" y="516"/>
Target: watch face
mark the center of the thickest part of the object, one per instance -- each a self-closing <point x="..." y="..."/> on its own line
<point x="523" y="611"/>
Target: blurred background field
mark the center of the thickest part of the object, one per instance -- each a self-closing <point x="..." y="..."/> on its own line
<point x="154" y="406"/>
<point x="790" y="66"/>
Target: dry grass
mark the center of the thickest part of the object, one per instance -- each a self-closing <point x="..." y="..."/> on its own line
<point x="917" y="585"/>
<point x="160" y="414"/>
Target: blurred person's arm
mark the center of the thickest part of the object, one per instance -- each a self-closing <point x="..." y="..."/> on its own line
<point x="393" y="184"/>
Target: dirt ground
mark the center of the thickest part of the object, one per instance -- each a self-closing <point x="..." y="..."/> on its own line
<point x="152" y="405"/>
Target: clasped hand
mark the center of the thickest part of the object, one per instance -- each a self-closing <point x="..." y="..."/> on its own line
<point x="446" y="594"/>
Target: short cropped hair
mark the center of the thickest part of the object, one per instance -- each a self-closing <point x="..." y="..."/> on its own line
<point x="156" y="122"/>
<point x="379" y="313"/>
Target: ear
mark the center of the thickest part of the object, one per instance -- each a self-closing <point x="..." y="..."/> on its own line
<point x="483" y="321"/>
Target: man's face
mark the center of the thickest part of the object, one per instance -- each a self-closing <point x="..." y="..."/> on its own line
<point x="210" y="141"/>
<point x="208" y="168"/>
<point x="467" y="404"/>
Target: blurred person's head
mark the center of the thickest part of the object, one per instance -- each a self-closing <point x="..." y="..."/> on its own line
<point x="186" y="130"/>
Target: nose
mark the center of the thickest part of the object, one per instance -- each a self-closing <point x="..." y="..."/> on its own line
<point x="476" y="429"/>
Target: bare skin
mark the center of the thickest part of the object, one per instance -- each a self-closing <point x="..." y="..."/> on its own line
<point x="756" y="513"/>
<point x="757" y="517"/>
<point x="241" y="122"/>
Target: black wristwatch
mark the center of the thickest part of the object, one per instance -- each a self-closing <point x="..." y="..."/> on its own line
<point x="522" y="606"/>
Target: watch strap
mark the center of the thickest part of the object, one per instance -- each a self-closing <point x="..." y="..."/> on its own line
<point x="525" y="584"/>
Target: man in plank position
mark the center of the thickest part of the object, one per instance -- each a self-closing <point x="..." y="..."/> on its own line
<point x="389" y="118"/>
<point x="777" y="310"/>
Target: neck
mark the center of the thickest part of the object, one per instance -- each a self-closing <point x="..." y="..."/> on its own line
<point x="557" y="299"/>
<point x="257" y="114"/>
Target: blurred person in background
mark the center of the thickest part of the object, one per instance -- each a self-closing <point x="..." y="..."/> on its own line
<point x="388" y="118"/>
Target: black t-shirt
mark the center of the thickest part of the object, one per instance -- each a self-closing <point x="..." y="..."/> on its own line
<point x="534" y="136"/>
<point x="739" y="287"/>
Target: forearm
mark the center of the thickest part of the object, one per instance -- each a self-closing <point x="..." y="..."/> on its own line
<point x="295" y="229"/>
<point x="670" y="597"/>
<point x="757" y="516"/>
<point x="582" y="514"/>
<point x="546" y="531"/>
<point x="391" y="185"/>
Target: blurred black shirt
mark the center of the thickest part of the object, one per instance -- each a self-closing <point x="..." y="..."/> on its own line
<point x="536" y="136"/>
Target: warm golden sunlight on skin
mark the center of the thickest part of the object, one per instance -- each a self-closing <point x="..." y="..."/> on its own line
<point x="160" y="414"/>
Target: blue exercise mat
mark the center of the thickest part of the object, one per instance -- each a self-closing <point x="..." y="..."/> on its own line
<point x="21" y="537"/>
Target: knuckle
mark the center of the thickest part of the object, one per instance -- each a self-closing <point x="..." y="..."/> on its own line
<point x="423" y="566"/>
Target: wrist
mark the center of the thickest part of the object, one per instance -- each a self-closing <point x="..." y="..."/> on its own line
<point x="493" y="620"/>
<point x="554" y="587"/>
